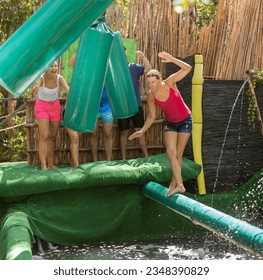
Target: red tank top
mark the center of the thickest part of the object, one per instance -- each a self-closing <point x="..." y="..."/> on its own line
<point x="174" y="108"/>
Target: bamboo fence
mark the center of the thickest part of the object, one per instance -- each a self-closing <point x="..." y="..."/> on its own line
<point x="230" y="46"/>
<point x="154" y="138"/>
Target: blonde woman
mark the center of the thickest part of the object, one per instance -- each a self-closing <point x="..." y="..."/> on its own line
<point x="178" y="118"/>
<point x="48" y="113"/>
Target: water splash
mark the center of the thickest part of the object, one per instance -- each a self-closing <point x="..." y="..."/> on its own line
<point x="225" y="136"/>
<point x="187" y="248"/>
<point x="239" y="134"/>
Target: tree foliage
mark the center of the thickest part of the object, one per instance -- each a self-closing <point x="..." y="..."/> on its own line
<point x="205" y="12"/>
<point x="205" y="9"/>
<point x="13" y="13"/>
<point x="183" y="5"/>
<point x="256" y="79"/>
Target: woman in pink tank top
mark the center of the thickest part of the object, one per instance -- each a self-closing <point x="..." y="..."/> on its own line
<point x="178" y="119"/>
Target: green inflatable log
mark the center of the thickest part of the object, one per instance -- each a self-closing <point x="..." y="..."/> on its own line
<point x="16" y="237"/>
<point x="235" y="230"/>
<point x="119" y="82"/>
<point x="31" y="50"/>
<point x="88" y="78"/>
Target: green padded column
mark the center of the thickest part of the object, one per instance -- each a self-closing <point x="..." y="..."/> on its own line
<point x="43" y="38"/>
<point x="119" y="82"/>
<point x="88" y="78"/>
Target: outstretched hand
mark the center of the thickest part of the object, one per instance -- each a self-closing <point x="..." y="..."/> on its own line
<point x="135" y="135"/>
<point x="140" y="54"/>
<point x="166" y="57"/>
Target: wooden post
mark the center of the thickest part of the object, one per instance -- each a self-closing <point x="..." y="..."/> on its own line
<point x="251" y="87"/>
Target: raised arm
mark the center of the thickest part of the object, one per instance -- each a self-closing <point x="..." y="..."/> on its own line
<point x="150" y="118"/>
<point x="72" y="60"/>
<point x="36" y="86"/>
<point x="178" y="76"/>
<point x="145" y="61"/>
<point x="64" y="84"/>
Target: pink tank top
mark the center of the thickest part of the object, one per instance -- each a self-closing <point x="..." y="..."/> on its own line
<point x="174" y="108"/>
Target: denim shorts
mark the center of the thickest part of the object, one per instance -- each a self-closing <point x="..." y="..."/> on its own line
<point x="105" y="116"/>
<point x="185" y="125"/>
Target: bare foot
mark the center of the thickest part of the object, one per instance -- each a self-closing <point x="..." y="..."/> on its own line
<point x="171" y="190"/>
<point x="176" y="189"/>
<point x="52" y="167"/>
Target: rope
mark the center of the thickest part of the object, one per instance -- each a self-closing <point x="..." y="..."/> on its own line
<point x="11" y="127"/>
<point x="7" y="99"/>
<point x="9" y="114"/>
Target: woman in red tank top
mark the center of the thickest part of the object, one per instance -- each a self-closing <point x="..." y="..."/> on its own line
<point x="178" y="119"/>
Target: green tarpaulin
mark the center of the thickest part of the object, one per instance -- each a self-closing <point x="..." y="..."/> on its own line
<point x="102" y="202"/>
<point x="96" y="202"/>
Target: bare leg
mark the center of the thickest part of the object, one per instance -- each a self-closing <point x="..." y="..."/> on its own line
<point x="142" y="143"/>
<point x="43" y="129"/>
<point x="51" y="143"/>
<point x="123" y="142"/>
<point x="108" y="142"/>
<point x="176" y="184"/>
<point x="74" y="146"/>
<point x="94" y="137"/>
<point x="182" y="139"/>
<point x="39" y="245"/>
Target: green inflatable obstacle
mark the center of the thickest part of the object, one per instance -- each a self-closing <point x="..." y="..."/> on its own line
<point x="88" y="78"/>
<point x="43" y="38"/>
<point x="119" y="82"/>
<point x="100" y="51"/>
<point x="104" y="202"/>
<point x="22" y="179"/>
<point x="96" y="202"/>
<point x="233" y="229"/>
<point x="16" y="237"/>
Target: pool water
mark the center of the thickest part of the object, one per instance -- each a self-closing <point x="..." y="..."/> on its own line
<point x="209" y="247"/>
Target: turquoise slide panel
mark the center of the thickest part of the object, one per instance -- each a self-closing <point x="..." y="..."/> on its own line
<point x="119" y="82"/>
<point x="88" y="78"/>
<point x="30" y="51"/>
<point x="232" y="228"/>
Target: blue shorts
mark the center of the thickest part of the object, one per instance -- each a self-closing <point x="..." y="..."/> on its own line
<point x="185" y="125"/>
<point x="106" y="116"/>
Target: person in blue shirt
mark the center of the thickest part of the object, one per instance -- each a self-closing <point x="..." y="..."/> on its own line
<point x="137" y="120"/>
<point x="106" y="118"/>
